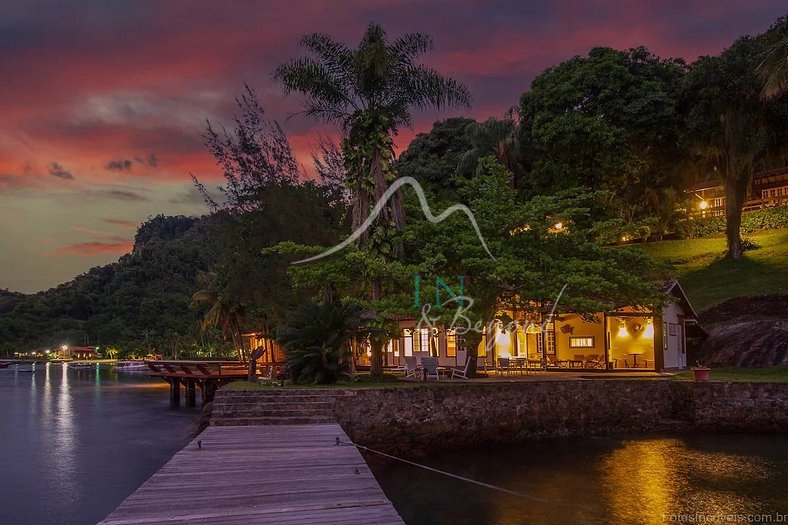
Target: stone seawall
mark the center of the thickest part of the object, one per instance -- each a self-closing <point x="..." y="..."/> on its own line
<point x="433" y="417"/>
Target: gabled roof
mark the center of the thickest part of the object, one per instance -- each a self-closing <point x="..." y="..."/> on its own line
<point x="674" y="288"/>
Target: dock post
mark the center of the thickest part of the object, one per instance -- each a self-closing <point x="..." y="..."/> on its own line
<point x="175" y="391"/>
<point x="191" y="399"/>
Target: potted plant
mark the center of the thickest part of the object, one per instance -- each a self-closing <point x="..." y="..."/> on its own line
<point x="700" y="372"/>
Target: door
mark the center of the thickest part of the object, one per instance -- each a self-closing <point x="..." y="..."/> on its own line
<point x="682" y="346"/>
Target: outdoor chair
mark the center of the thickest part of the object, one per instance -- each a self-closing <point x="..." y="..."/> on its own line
<point x="594" y="361"/>
<point x="534" y="362"/>
<point x="552" y="360"/>
<point x="577" y="361"/>
<point x="461" y="373"/>
<point x="429" y="367"/>
<point x="504" y="365"/>
<point x="411" y="367"/>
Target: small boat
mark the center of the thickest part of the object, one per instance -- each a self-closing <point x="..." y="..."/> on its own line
<point x="81" y="366"/>
<point x="131" y="366"/>
<point x="5" y="364"/>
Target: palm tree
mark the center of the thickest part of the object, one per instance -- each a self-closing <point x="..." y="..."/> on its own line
<point x="224" y="311"/>
<point x="496" y="137"/>
<point x="370" y="92"/>
<point x="773" y="70"/>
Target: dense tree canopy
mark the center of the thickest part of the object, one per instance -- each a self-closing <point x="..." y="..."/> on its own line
<point x="607" y="121"/>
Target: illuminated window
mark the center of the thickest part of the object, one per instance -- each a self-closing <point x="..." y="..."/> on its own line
<point x="550" y="340"/>
<point x="407" y="342"/>
<point x="451" y="343"/>
<point x="581" y="342"/>
<point x="422" y="343"/>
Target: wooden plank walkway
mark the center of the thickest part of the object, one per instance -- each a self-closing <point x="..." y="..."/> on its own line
<point x="288" y="474"/>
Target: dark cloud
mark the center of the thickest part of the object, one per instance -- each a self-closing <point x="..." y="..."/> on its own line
<point x="119" y="165"/>
<point x="122" y="195"/>
<point x="122" y="223"/>
<point x="56" y="170"/>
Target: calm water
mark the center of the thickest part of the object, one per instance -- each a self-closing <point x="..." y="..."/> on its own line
<point x="75" y="443"/>
<point x="599" y="481"/>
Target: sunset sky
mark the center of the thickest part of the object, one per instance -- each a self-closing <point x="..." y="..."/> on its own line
<point x="102" y="103"/>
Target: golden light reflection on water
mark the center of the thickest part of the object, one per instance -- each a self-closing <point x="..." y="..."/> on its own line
<point x="648" y="481"/>
<point x="639" y="481"/>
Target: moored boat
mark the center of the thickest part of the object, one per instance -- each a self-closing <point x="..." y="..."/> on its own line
<point x="131" y="366"/>
<point x="5" y="364"/>
<point x="81" y="366"/>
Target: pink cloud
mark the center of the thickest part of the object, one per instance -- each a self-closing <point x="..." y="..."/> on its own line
<point x="94" y="248"/>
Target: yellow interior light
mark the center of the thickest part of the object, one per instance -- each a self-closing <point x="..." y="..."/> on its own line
<point x="649" y="331"/>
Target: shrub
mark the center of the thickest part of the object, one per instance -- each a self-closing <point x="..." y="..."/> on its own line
<point x="751" y="221"/>
<point x="317" y="339"/>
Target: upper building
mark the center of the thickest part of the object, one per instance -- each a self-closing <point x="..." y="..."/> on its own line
<point x="769" y="188"/>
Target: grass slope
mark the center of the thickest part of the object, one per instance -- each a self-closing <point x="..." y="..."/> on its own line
<point x="709" y="278"/>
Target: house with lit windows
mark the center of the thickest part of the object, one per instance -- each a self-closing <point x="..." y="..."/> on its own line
<point x="769" y="188"/>
<point x="626" y="338"/>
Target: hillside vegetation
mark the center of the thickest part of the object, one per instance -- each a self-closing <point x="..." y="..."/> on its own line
<point x="140" y="302"/>
<point x="709" y="278"/>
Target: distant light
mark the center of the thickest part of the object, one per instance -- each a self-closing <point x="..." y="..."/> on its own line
<point x="704" y="204"/>
<point x="64" y="347"/>
<point x="622" y="329"/>
<point x="559" y="225"/>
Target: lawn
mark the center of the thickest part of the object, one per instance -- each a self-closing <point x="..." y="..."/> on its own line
<point x="770" y="374"/>
<point x="709" y="278"/>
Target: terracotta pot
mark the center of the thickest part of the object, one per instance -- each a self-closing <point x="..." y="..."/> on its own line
<point x="701" y="373"/>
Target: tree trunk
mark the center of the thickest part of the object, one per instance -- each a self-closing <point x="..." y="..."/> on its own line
<point x="252" y="376"/>
<point x="376" y="359"/>
<point x="735" y="195"/>
<point x="472" y="341"/>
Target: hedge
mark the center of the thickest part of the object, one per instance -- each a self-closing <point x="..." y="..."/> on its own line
<point x="751" y="221"/>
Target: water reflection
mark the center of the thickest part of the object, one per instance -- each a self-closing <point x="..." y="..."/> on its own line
<point x="77" y="442"/>
<point x="597" y="480"/>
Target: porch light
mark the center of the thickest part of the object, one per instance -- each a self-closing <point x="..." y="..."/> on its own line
<point x="649" y="331"/>
<point x="703" y="204"/>
<point x="622" y="329"/>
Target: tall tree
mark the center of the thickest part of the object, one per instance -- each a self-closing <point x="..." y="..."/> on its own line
<point x="731" y="127"/>
<point x="432" y="158"/>
<point x="370" y="91"/>
<point x="606" y="121"/>
<point x="265" y="200"/>
<point x="774" y="67"/>
<point x="497" y="137"/>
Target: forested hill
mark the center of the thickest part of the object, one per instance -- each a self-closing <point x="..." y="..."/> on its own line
<point x="141" y="300"/>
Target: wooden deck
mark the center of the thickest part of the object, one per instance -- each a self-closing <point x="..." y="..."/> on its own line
<point x="288" y="474"/>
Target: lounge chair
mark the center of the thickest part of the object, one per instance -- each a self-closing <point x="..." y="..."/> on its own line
<point x="429" y="367"/>
<point x="552" y="360"/>
<point x="411" y="367"/>
<point x="594" y="361"/>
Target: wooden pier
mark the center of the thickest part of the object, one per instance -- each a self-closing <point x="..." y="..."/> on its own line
<point x="288" y="474"/>
<point x="207" y="376"/>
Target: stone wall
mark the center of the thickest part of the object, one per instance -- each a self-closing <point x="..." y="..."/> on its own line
<point x="439" y="417"/>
